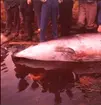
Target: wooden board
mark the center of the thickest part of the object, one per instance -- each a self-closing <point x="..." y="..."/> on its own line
<point x="23" y="43"/>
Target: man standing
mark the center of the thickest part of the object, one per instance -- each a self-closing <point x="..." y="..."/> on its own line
<point x="37" y="4"/>
<point x="49" y="11"/>
<point x="87" y="15"/>
<point x="99" y="16"/>
<point x="12" y="15"/>
<point x="65" y="11"/>
<point x="26" y="8"/>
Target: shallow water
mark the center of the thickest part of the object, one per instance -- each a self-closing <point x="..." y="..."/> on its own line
<point x="56" y="87"/>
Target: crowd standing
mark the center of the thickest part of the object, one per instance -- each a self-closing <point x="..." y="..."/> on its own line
<point x="89" y="16"/>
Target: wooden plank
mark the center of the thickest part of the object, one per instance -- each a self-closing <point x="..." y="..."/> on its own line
<point x="23" y="43"/>
<point x="7" y="40"/>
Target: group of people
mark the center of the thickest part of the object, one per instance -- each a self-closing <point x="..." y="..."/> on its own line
<point x="89" y="16"/>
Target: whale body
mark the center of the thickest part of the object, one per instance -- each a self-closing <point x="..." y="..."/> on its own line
<point x="74" y="48"/>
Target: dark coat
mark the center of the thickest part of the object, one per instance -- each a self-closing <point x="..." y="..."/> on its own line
<point x="10" y="3"/>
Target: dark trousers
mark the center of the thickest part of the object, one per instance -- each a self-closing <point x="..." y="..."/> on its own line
<point x="99" y="12"/>
<point x="37" y="4"/>
<point x="65" y="11"/>
<point x="49" y="10"/>
<point x="13" y="19"/>
<point x="28" y="18"/>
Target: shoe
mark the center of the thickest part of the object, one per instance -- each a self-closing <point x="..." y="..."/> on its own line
<point x="35" y="39"/>
<point x="37" y="31"/>
<point x="28" y="39"/>
<point x="80" y="28"/>
<point x="7" y="33"/>
<point x="94" y="30"/>
<point x="55" y="37"/>
<point x="99" y="29"/>
<point x="42" y="40"/>
<point x="15" y="34"/>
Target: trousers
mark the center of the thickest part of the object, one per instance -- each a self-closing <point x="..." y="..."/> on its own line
<point x="37" y="4"/>
<point x="49" y="11"/>
<point x="88" y="12"/>
<point x="65" y="11"/>
<point x="13" y="19"/>
<point x="28" y="18"/>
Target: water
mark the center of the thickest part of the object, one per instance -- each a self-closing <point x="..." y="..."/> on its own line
<point x="26" y="82"/>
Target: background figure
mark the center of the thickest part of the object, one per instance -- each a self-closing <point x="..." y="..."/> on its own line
<point x="37" y="4"/>
<point x="87" y="14"/>
<point x="28" y="15"/>
<point x="49" y="10"/>
<point x="12" y="16"/>
<point x="99" y="15"/>
<point x="65" y="10"/>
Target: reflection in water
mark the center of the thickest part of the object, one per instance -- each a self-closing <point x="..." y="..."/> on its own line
<point x="54" y="84"/>
<point x="34" y="85"/>
<point x="23" y="84"/>
<point x="52" y="81"/>
<point x="4" y="54"/>
<point x="3" y="65"/>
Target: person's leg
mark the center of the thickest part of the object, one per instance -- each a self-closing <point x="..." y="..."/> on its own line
<point x="22" y="23"/>
<point x="99" y="16"/>
<point x="82" y="14"/>
<point x="61" y="18"/>
<point x="28" y="21"/>
<point x="65" y="10"/>
<point x="8" y="21"/>
<point x="44" y="20"/>
<point x="69" y="18"/>
<point x="23" y="6"/>
<point x="16" y="20"/>
<point x="37" y="4"/>
<point x="91" y="12"/>
<point x="55" y="7"/>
